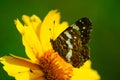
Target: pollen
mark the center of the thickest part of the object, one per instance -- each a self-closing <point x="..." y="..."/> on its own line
<point x="54" y="67"/>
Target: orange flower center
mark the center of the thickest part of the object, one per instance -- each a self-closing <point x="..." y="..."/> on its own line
<point x="54" y="67"/>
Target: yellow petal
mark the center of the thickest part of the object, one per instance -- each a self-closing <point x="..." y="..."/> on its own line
<point x="19" y="26"/>
<point x="35" y="21"/>
<point x="32" y="21"/>
<point x="21" y="68"/>
<point x="59" y="29"/>
<point x="30" y="53"/>
<point x="51" y="28"/>
<point x="30" y="39"/>
<point x="26" y="20"/>
<point x="85" y="73"/>
<point x="46" y="30"/>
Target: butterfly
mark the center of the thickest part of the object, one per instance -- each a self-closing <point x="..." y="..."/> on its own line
<point x="72" y="43"/>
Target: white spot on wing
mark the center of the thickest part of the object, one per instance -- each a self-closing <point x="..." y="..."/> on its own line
<point x="74" y="26"/>
<point x="81" y="35"/>
<point x="69" y="55"/>
<point x="69" y="44"/>
<point x="84" y="27"/>
<point x="68" y="34"/>
<point x="80" y="20"/>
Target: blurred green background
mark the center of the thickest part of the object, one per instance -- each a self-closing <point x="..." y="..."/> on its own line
<point x="105" y="38"/>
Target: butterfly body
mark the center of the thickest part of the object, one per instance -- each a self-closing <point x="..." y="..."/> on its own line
<point x="71" y="44"/>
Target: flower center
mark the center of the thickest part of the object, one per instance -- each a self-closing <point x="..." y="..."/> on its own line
<point x="54" y="67"/>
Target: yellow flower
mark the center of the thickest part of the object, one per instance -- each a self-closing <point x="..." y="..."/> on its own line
<point x="43" y="62"/>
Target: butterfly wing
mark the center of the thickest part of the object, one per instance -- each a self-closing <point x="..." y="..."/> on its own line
<point x="71" y="44"/>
